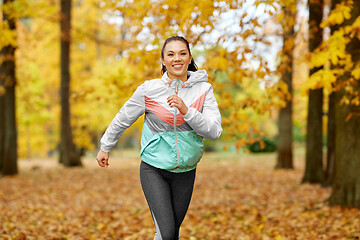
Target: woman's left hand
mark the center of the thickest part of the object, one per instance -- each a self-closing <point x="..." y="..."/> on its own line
<point x="176" y="101"/>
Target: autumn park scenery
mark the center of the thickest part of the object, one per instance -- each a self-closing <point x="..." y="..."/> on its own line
<point x="286" y="77"/>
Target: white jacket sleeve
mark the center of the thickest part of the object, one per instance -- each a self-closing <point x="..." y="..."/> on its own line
<point x="128" y="114"/>
<point x="208" y="123"/>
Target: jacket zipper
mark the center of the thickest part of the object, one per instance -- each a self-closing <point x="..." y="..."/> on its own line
<point x="175" y="122"/>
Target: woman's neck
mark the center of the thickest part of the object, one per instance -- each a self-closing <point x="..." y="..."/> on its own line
<point x="182" y="78"/>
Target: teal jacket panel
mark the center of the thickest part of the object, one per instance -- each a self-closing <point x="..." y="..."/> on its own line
<point x="159" y="150"/>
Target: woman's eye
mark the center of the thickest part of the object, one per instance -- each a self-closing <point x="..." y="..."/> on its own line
<point x="183" y="53"/>
<point x="170" y="54"/>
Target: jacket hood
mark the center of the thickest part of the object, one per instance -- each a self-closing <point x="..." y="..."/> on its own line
<point x="193" y="78"/>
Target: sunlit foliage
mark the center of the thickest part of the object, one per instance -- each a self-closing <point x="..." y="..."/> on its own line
<point x="116" y="46"/>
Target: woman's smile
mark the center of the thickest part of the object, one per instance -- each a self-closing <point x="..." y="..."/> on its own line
<point x="177" y="66"/>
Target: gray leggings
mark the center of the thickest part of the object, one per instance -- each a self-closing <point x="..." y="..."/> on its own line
<point x="168" y="195"/>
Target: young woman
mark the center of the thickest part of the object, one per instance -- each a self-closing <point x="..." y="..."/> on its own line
<point x="180" y="110"/>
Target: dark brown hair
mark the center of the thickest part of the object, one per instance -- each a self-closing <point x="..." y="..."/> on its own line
<point x="192" y="66"/>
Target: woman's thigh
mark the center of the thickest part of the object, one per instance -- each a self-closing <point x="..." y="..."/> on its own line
<point x="181" y="190"/>
<point x="158" y="196"/>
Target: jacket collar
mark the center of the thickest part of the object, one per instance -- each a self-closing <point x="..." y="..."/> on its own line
<point x="193" y="78"/>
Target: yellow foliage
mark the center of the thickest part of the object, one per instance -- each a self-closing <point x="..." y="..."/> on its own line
<point x="111" y="55"/>
<point x="37" y="93"/>
<point x="355" y="28"/>
<point x="7" y="36"/>
<point x="320" y="79"/>
<point x="218" y="59"/>
<point x="355" y="101"/>
<point x="319" y="58"/>
<point x="334" y="49"/>
<point x="339" y="14"/>
<point x="356" y="72"/>
<point x="337" y="47"/>
<point x="279" y="237"/>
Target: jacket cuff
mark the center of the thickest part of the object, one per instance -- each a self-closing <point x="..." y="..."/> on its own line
<point x="104" y="149"/>
<point x="190" y="114"/>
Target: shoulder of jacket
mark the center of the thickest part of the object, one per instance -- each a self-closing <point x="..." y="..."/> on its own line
<point x="153" y="83"/>
<point x="155" y="80"/>
<point x="203" y="85"/>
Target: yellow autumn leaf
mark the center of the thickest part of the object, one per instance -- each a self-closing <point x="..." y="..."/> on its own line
<point x="355" y="101"/>
<point x="356" y="72"/>
<point x="100" y="226"/>
<point x="257" y="228"/>
<point x="279" y="237"/>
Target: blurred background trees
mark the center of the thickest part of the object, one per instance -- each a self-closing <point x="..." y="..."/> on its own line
<point x="274" y="75"/>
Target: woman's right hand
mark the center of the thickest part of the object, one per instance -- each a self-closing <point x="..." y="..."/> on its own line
<point x="103" y="159"/>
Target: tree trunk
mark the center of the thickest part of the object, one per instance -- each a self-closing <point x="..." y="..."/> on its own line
<point x="285" y="150"/>
<point x="346" y="186"/>
<point x="314" y="172"/>
<point x="8" y="132"/>
<point x="330" y="157"/>
<point x="68" y="153"/>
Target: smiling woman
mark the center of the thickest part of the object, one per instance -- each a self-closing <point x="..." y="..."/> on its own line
<point x="180" y="110"/>
<point x="176" y="58"/>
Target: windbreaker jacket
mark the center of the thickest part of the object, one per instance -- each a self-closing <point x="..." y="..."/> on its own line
<point x="170" y="140"/>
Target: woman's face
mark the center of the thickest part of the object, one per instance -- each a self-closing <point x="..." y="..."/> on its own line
<point x="176" y="60"/>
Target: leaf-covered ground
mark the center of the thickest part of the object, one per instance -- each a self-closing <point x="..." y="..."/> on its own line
<point x="235" y="197"/>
